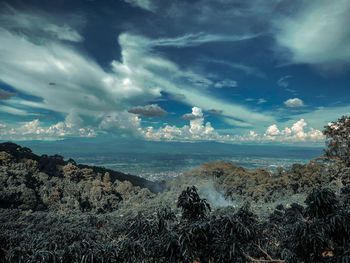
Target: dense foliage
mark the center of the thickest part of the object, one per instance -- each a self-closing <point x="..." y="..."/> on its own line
<point x="53" y="210"/>
<point x="319" y="232"/>
<point x="338" y="140"/>
<point x="193" y="207"/>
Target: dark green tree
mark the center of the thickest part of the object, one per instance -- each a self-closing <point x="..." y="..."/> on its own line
<point x="193" y="207"/>
<point x="338" y="140"/>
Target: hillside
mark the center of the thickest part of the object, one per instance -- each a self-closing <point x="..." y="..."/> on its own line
<point x="54" y="210"/>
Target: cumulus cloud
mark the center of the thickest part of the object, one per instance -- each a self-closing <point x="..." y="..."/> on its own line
<point x="34" y="130"/>
<point x="272" y="130"/>
<point x="227" y="83"/>
<point x="293" y="103"/>
<point x="318" y="33"/>
<point x="5" y="95"/>
<point x="296" y="133"/>
<point x="197" y="130"/>
<point x="120" y="121"/>
<point x="152" y="110"/>
<point x="191" y="116"/>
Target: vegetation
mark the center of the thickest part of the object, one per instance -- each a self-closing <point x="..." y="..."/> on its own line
<point x="320" y="232"/>
<point x="338" y="140"/>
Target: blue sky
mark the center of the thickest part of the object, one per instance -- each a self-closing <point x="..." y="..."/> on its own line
<point x="231" y="71"/>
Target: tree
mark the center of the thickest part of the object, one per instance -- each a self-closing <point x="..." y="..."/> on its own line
<point x="193" y="207"/>
<point x="338" y="140"/>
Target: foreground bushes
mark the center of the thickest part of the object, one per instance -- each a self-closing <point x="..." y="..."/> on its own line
<point x="318" y="233"/>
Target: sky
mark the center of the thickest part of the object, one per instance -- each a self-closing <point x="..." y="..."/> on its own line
<point x="238" y="71"/>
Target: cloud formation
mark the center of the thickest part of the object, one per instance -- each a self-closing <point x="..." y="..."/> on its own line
<point x="34" y="130"/>
<point x="144" y="4"/>
<point x="151" y="110"/>
<point x="296" y="133"/>
<point x="215" y="111"/>
<point x="227" y="83"/>
<point x="318" y="33"/>
<point x="196" y="39"/>
<point x="5" y="95"/>
<point x="147" y="69"/>
<point x="197" y="130"/>
<point x="294" y="103"/>
<point x="283" y="82"/>
<point x="41" y="24"/>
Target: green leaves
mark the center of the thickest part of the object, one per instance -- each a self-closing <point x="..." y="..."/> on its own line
<point x="338" y="140"/>
<point x="193" y="207"/>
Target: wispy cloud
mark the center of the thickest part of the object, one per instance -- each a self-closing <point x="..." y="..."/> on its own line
<point x="5" y="95"/>
<point x="246" y="69"/>
<point x="40" y="24"/>
<point x="283" y="81"/>
<point x="318" y="33"/>
<point x="226" y="83"/>
<point x="149" y="69"/>
<point x="144" y="4"/>
<point x="196" y="39"/>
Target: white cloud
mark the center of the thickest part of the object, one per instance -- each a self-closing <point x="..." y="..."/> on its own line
<point x="196" y="39"/>
<point x="82" y="84"/>
<point x="283" y="82"/>
<point x="227" y="83"/>
<point x="64" y="32"/>
<point x="296" y="133"/>
<point x="144" y="4"/>
<point x="318" y="33"/>
<point x="39" y="23"/>
<point x="197" y="130"/>
<point x="79" y="82"/>
<point x="236" y="123"/>
<point x="13" y="110"/>
<point x="152" y="110"/>
<point x="147" y="69"/>
<point x="261" y="101"/>
<point x="293" y="103"/>
<point x="120" y="121"/>
<point x="246" y="69"/>
<point x="258" y="101"/>
<point x="34" y="130"/>
<point x="272" y="130"/>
